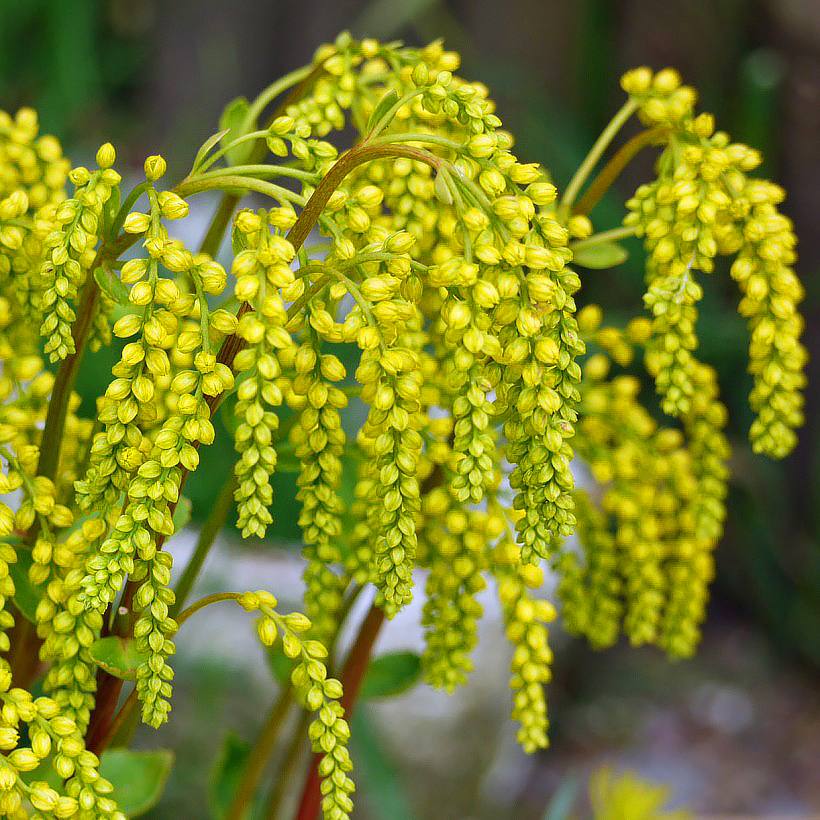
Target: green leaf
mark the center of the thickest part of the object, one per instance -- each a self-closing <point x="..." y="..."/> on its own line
<point x="382" y="107"/>
<point x="117" y="656"/>
<point x="600" y="255"/>
<point x="111" y="285"/>
<point x="26" y="595"/>
<point x="227" y="772"/>
<point x="391" y="674"/>
<point x="206" y="147"/>
<point x="182" y="513"/>
<point x="138" y="777"/>
<point x="231" y="122"/>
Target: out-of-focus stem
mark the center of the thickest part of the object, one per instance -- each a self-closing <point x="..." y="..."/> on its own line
<point x="610" y="172"/>
<point x="595" y="153"/>
<point x="259" y="755"/>
<point x="210" y="529"/>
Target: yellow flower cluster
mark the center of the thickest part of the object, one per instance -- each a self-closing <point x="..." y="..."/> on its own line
<point x="704" y="204"/>
<point x="317" y="692"/>
<point x="442" y="272"/>
<point x="526" y="619"/>
<point x="67" y="628"/>
<point x="391" y="440"/>
<point x="319" y="442"/>
<point x="83" y="794"/>
<point x="456" y="553"/>
<point x="262" y="271"/>
<point x="33" y="174"/>
<point x="70" y="251"/>
<point x="664" y="494"/>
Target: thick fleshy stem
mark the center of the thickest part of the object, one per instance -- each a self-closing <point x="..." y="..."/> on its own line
<point x="120" y="722"/>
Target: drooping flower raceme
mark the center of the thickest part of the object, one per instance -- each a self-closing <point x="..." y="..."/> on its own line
<point x="419" y="356"/>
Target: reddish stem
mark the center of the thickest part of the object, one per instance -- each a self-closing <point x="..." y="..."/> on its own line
<point x="352" y="677"/>
<point x="610" y="172"/>
<point x="108" y="693"/>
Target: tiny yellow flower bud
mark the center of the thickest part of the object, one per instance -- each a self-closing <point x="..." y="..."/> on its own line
<point x="589" y="318"/>
<point x="106" y="155"/>
<point x="172" y="206"/>
<point x="666" y="80"/>
<point x="136" y="223"/>
<point x="637" y="81"/>
<point x="282" y="125"/>
<point x="24" y="760"/>
<point x="155" y="167"/>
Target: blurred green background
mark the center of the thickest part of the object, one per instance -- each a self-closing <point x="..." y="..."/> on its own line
<point x="153" y="76"/>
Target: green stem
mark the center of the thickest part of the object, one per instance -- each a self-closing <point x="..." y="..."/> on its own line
<point x="262" y="170"/>
<point x="209" y="161"/>
<point x="595" y="153"/>
<point x="259" y="756"/>
<point x="210" y="529"/>
<point x="430" y="139"/>
<point x="231" y="182"/>
<point x="605" y="236"/>
<point x="125" y="208"/>
<point x="610" y="172"/>
<point x="215" y="598"/>
<point x="387" y="117"/>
